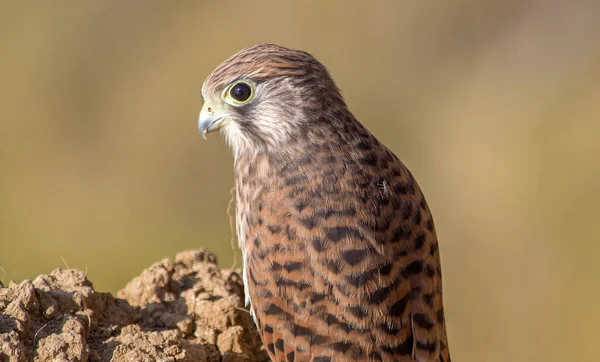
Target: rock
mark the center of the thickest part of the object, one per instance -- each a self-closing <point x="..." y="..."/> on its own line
<point x="186" y="310"/>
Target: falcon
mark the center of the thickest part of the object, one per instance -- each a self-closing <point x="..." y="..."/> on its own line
<point x="340" y="254"/>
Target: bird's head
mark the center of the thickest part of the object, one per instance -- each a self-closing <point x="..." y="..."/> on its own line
<point x="266" y="96"/>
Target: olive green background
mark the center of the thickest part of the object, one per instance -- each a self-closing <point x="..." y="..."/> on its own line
<point x="494" y="106"/>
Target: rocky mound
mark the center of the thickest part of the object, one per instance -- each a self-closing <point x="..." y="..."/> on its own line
<point x="187" y="310"/>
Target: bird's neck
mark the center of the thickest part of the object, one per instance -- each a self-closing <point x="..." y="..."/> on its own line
<point x="307" y="151"/>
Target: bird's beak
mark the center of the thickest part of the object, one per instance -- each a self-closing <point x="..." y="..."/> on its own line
<point x="210" y="120"/>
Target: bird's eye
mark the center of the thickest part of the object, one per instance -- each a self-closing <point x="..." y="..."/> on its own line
<point x="241" y="92"/>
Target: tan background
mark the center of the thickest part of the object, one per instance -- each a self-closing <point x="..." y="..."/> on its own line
<point x="494" y="105"/>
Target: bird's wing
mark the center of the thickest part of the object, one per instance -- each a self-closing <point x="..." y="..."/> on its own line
<point x="396" y="230"/>
<point x="379" y="234"/>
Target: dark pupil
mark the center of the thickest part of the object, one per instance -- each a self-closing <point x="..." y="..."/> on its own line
<point x="241" y="92"/>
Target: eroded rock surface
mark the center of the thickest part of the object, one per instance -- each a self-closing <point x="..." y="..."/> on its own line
<point x="186" y="310"/>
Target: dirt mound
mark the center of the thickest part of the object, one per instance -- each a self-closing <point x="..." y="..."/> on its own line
<point x="187" y="310"/>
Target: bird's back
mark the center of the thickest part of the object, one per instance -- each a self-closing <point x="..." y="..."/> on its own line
<point x="341" y="255"/>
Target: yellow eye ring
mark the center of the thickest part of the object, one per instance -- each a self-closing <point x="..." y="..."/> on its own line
<point x="239" y="92"/>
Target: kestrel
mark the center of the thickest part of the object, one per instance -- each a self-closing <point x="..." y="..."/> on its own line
<point x="341" y="259"/>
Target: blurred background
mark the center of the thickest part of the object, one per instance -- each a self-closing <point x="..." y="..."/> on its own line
<point x="493" y="105"/>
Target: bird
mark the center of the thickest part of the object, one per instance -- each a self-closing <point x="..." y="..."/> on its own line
<point x="340" y="254"/>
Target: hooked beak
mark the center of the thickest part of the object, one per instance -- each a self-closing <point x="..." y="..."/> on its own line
<point x="209" y="120"/>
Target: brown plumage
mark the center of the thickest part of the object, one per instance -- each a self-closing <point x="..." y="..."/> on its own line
<point x="341" y="259"/>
